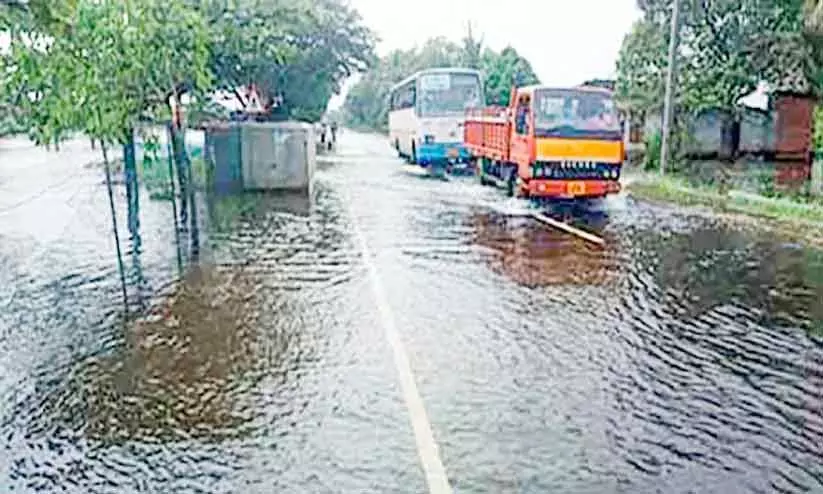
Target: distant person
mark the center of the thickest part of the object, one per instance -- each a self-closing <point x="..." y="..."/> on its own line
<point x="334" y="131"/>
<point x="323" y="129"/>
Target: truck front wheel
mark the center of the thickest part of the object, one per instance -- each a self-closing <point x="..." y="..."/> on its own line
<point x="511" y="182"/>
<point x="480" y="166"/>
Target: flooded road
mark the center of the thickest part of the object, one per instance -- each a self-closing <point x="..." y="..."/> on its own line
<point x="681" y="356"/>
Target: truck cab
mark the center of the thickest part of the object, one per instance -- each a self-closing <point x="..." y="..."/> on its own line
<point x="550" y="143"/>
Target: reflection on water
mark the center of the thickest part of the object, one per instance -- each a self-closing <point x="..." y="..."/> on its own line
<point x="723" y="378"/>
<point x="533" y="254"/>
<point x="711" y="267"/>
<point x="257" y="367"/>
<point x="177" y="373"/>
<point x="225" y="211"/>
<point x="680" y="356"/>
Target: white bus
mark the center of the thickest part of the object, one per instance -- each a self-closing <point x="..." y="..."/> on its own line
<point x="427" y="111"/>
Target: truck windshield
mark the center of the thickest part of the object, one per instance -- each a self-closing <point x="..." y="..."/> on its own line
<point x="573" y="113"/>
<point x="448" y="94"/>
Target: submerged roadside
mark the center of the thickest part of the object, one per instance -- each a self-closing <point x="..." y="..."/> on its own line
<point x="796" y="218"/>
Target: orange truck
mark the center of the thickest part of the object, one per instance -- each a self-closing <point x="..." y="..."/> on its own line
<point x="549" y="143"/>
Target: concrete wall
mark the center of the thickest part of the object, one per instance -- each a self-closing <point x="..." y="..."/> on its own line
<point x="261" y="155"/>
<point x="278" y="156"/>
<point x="705" y="135"/>
<point x="756" y="132"/>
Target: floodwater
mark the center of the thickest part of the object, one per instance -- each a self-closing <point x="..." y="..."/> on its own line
<point x="682" y="356"/>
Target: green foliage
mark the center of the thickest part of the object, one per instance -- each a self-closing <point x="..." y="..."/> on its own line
<point x="52" y="16"/>
<point x="100" y="67"/>
<point x="366" y="104"/>
<point x="83" y="82"/>
<point x="641" y="67"/>
<point x="296" y="51"/>
<point x="725" y="49"/>
<point x="651" y="159"/>
<point x="799" y="215"/>
<point x="499" y="70"/>
<point x="10" y="124"/>
<point x="153" y="171"/>
<point x="766" y="185"/>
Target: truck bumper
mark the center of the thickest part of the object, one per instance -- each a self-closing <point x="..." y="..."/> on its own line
<point x="572" y="189"/>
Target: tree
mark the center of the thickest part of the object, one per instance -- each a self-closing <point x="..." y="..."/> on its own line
<point x="47" y="15"/>
<point x="295" y="51"/>
<point x="336" y="46"/>
<point x="641" y="67"/>
<point x="812" y="27"/>
<point x="77" y="79"/>
<point x="500" y="69"/>
<point x="472" y="50"/>
<point x="726" y="49"/>
<point x="83" y="83"/>
<point x="366" y="103"/>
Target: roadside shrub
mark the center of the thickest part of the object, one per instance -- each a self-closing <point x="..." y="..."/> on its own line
<point x="10" y="126"/>
<point x="651" y="160"/>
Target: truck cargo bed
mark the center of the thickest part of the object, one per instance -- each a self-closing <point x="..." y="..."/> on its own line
<point x="486" y="132"/>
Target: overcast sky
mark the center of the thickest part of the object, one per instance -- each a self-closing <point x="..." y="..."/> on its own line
<point x="566" y="42"/>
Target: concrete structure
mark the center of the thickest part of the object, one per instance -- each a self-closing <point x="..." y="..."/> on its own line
<point x="706" y="132"/>
<point x="756" y="131"/>
<point x="248" y="156"/>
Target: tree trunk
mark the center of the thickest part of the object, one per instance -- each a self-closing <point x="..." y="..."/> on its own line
<point x="132" y="187"/>
<point x="183" y="167"/>
<point x="170" y="157"/>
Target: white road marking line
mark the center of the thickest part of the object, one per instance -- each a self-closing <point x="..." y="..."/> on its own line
<point x="568" y="228"/>
<point x="435" y="472"/>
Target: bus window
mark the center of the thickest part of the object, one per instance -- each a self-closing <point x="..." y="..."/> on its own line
<point x="448" y="94"/>
<point x="407" y="96"/>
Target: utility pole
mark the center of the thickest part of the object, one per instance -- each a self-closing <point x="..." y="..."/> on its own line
<point x="668" y="103"/>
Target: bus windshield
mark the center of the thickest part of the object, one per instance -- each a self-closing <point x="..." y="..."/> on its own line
<point x="573" y="113"/>
<point x="448" y="94"/>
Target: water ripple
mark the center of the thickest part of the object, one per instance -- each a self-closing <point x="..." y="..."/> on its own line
<point x="681" y="356"/>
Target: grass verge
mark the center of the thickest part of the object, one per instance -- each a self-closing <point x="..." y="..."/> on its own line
<point x="154" y="176"/>
<point x="796" y="219"/>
